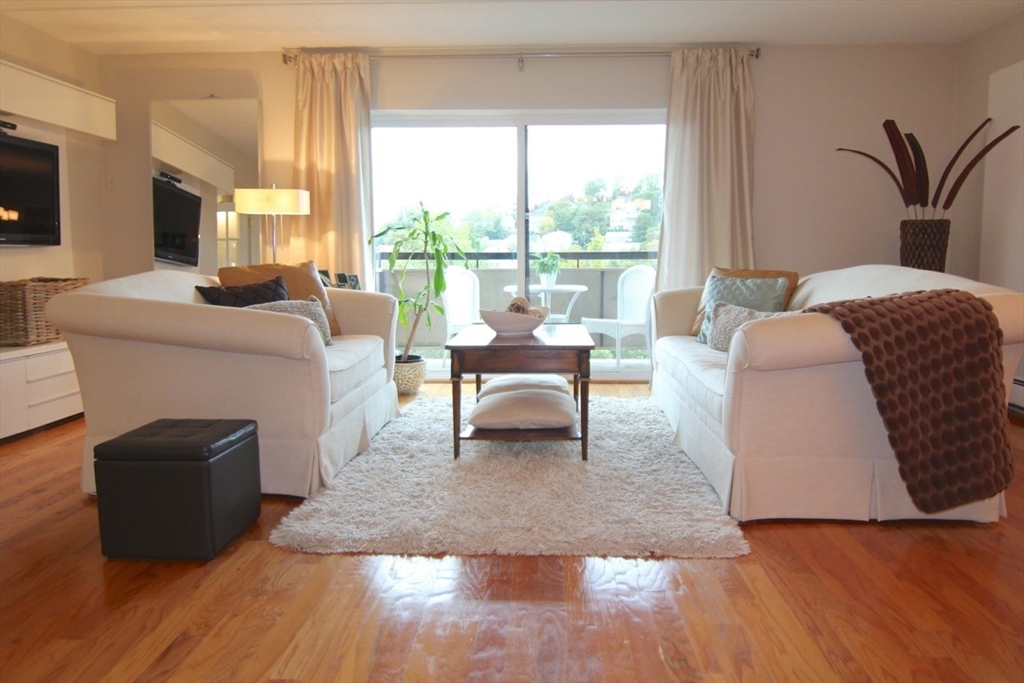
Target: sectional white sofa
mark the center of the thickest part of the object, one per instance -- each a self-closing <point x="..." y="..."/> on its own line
<point x="148" y="346"/>
<point x="784" y="424"/>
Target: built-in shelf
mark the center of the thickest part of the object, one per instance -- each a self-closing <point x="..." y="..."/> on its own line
<point x="38" y="96"/>
<point x="186" y="156"/>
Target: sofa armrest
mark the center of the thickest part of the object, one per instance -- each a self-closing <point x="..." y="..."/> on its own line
<point x="792" y="341"/>
<point x="811" y="339"/>
<point x="199" y="326"/>
<point x="673" y="311"/>
<point x="373" y="313"/>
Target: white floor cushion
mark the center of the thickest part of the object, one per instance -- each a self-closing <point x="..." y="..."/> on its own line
<point x="524" y="409"/>
<point x="505" y="383"/>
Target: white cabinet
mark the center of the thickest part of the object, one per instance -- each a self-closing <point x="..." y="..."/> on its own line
<point x="37" y="386"/>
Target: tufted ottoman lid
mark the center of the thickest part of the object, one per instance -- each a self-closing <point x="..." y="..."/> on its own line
<point x="177" y="439"/>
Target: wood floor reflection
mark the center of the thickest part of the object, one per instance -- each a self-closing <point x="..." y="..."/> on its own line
<point x="812" y="602"/>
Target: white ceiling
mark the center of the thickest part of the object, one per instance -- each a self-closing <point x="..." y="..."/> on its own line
<point x="117" y="27"/>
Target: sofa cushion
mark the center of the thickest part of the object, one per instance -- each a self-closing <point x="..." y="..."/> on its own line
<point x="302" y="280"/>
<point x="724" y="319"/>
<point x="525" y="409"/>
<point x="700" y="373"/>
<point x="792" y="279"/>
<point x="246" y="295"/>
<point x="352" y="360"/>
<point x="311" y="310"/>
<point x="760" y="294"/>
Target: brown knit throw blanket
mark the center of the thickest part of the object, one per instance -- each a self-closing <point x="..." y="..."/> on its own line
<point x="934" y="363"/>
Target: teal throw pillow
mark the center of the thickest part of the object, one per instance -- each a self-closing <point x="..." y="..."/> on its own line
<point x="759" y="294"/>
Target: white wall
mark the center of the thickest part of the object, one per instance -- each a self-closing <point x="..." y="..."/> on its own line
<point x="818" y="209"/>
<point x="82" y="199"/>
<point x="813" y="208"/>
<point x="1002" y="232"/>
<point x="497" y="83"/>
<point x="135" y="83"/>
<point x="977" y="59"/>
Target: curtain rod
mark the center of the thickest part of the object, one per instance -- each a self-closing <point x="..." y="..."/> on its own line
<point x="289" y="55"/>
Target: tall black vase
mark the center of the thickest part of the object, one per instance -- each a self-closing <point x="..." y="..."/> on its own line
<point x="923" y="243"/>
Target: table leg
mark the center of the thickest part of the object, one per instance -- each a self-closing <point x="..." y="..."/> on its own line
<point x="456" y="412"/>
<point x="584" y="413"/>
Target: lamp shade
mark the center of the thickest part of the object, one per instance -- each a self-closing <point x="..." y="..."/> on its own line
<point x="272" y="201"/>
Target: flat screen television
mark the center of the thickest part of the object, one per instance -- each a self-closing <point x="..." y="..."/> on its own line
<point x="29" y="192"/>
<point x="175" y="223"/>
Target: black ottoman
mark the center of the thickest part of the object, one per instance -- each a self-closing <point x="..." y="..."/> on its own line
<point x="177" y="489"/>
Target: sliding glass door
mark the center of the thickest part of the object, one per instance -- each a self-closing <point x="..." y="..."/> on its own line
<point x="556" y="208"/>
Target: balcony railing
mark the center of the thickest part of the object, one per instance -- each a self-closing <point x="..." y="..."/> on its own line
<point x="598" y="271"/>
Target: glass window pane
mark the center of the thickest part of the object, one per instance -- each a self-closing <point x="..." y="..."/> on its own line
<point x="469" y="172"/>
<point x="595" y="195"/>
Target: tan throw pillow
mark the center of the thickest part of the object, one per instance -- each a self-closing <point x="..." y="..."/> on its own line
<point x="791" y="276"/>
<point x="301" y="279"/>
<point x="526" y="409"/>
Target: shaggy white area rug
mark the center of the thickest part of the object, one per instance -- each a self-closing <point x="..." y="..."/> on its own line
<point x="636" y="496"/>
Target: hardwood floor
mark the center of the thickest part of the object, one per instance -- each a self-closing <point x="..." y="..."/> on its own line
<point x="812" y="602"/>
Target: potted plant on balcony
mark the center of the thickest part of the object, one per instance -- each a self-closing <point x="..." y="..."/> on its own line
<point x="547" y="267"/>
<point x="422" y="241"/>
<point x="923" y="241"/>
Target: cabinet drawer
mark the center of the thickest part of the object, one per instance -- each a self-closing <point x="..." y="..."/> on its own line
<point x="48" y="365"/>
<point x="51" y="388"/>
<point x="51" y="411"/>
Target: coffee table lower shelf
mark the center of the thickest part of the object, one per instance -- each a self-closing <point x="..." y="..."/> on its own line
<point x="560" y="434"/>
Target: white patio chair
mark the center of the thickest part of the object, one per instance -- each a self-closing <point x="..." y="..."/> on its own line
<point x="461" y="299"/>
<point x="635" y="288"/>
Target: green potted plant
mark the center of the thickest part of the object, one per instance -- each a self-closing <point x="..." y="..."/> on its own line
<point x="923" y="240"/>
<point x="424" y="242"/>
<point x="547" y="267"/>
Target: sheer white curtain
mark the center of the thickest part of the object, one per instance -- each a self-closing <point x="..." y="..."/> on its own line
<point x="708" y="167"/>
<point x="332" y="161"/>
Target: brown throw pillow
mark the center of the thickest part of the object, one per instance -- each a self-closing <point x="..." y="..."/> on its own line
<point x="302" y="280"/>
<point x="246" y="295"/>
<point x="791" y="276"/>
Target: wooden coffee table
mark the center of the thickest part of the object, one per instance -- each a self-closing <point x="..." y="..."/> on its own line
<point x="558" y="349"/>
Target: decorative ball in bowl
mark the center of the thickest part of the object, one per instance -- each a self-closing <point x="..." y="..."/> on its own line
<point x="505" y="323"/>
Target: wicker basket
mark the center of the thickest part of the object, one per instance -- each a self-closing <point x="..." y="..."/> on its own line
<point x="923" y="243"/>
<point x="21" y="309"/>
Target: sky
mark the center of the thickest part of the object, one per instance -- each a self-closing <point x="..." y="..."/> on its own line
<point x="460" y="169"/>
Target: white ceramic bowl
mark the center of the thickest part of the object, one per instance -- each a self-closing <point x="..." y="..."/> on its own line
<point x="508" y="324"/>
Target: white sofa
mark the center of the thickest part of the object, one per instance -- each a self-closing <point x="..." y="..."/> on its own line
<point x="148" y="346"/>
<point x="784" y="425"/>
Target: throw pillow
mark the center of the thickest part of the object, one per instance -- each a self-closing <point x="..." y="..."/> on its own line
<point x="302" y="279"/>
<point x="311" y="309"/>
<point x="504" y="383"/>
<point x="526" y="409"/>
<point x="246" y="295"/>
<point x="792" y="277"/>
<point x="761" y="294"/>
<point x="724" y="319"/>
